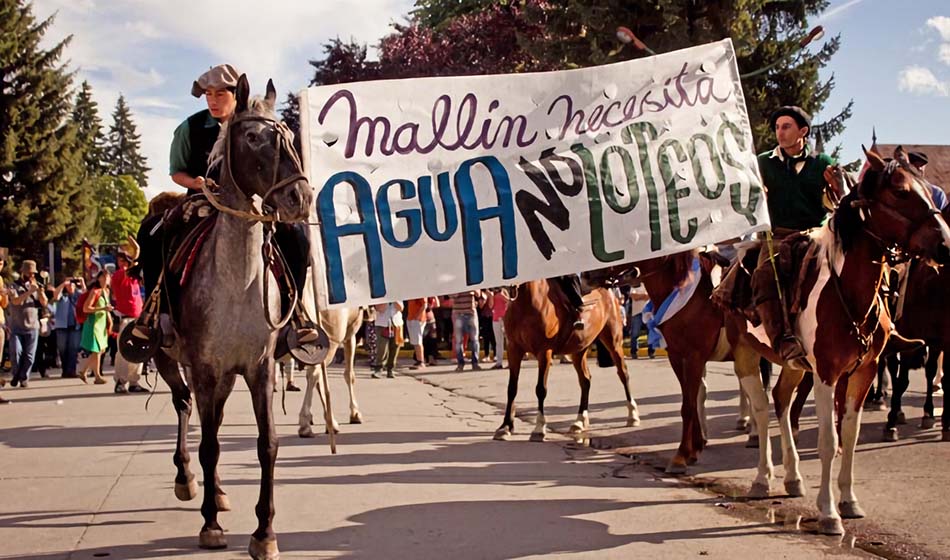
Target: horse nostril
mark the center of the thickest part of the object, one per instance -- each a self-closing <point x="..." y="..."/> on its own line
<point x="294" y="198"/>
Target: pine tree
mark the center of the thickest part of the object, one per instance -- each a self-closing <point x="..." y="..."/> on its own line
<point x="290" y="114"/>
<point x="123" y="145"/>
<point x="41" y="160"/>
<point x="86" y="117"/>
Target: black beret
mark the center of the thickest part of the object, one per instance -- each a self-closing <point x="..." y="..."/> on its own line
<point x="802" y="119"/>
<point x="917" y="158"/>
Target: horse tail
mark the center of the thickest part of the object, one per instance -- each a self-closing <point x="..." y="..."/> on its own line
<point x="604" y="359"/>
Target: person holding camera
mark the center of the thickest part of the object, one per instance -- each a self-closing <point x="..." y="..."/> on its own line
<point x="27" y="299"/>
<point x="68" y="330"/>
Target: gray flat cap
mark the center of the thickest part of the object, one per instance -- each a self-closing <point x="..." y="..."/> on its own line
<point x="219" y="77"/>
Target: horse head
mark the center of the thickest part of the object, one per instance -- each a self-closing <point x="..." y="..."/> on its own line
<point x="260" y="159"/>
<point x="896" y="208"/>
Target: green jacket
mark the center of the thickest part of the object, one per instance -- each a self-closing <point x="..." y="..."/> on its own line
<point x="794" y="194"/>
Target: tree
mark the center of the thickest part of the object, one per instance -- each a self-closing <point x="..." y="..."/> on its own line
<point x="123" y="145"/>
<point x="41" y="157"/>
<point x="122" y="206"/>
<point x="89" y="125"/>
<point x="458" y="37"/>
<point x="290" y="114"/>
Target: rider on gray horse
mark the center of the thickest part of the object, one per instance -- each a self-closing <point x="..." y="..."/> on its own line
<point x="191" y="147"/>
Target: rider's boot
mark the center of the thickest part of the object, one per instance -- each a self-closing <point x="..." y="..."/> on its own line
<point x="784" y="342"/>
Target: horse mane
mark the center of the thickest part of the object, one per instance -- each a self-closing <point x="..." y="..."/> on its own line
<point x="256" y="105"/>
<point x="847" y="219"/>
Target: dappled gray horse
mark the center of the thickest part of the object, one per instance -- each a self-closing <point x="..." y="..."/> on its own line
<point x="231" y="308"/>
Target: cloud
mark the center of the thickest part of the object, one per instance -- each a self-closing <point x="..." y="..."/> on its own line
<point x="942" y="25"/>
<point x="921" y="81"/>
<point x="945" y="53"/>
<point x="143" y="29"/>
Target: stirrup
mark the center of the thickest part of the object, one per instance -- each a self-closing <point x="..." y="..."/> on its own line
<point x="138" y="343"/>
<point x="307" y="343"/>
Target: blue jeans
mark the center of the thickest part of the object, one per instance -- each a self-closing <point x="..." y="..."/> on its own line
<point x="23" y="352"/>
<point x="466" y="323"/>
<point x="67" y="344"/>
<point x="637" y="325"/>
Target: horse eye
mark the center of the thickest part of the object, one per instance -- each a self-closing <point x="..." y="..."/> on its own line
<point x="251" y="136"/>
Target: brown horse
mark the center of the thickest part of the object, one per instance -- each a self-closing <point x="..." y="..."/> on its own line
<point x="843" y="323"/>
<point x="540" y="320"/>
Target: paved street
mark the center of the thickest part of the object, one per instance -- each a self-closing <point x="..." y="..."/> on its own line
<point x="88" y="474"/>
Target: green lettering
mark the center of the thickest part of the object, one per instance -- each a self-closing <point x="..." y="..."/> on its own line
<point x="735" y="189"/>
<point x="597" y="242"/>
<point x="607" y="180"/>
<point x="642" y="134"/>
<point x="702" y="183"/>
<point x="673" y="194"/>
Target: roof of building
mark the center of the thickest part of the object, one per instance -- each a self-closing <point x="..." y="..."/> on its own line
<point x="938" y="170"/>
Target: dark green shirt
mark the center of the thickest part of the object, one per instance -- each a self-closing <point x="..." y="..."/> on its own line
<point x="181" y="154"/>
<point x="795" y="189"/>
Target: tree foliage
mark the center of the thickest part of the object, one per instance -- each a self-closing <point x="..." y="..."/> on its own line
<point x="123" y="146"/>
<point x="121" y="207"/>
<point x="89" y="130"/>
<point x="462" y="37"/>
<point x="42" y="197"/>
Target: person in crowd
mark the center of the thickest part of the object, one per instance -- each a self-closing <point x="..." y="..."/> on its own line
<point x="637" y="299"/>
<point x="430" y="334"/>
<point x="68" y="330"/>
<point x="920" y="160"/>
<point x="370" y="341"/>
<point x="415" y="324"/>
<point x="499" y="306"/>
<point x="27" y="300"/>
<point x="127" y="299"/>
<point x="388" y="324"/>
<point x="95" y="328"/>
<point x="443" y="320"/>
<point x="465" y="323"/>
<point x="4" y="302"/>
<point x="485" y="331"/>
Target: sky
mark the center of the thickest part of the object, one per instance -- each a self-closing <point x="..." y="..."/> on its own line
<point x="894" y="61"/>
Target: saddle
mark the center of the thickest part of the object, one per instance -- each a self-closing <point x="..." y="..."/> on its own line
<point x="795" y="262"/>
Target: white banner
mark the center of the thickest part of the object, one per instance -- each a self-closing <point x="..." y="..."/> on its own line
<point x="437" y="185"/>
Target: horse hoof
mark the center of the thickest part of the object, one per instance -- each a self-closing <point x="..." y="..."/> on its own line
<point x="502" y="434"/>
<point x="752" y="442"/>
<point x="692" y="459"/>
<point x="187" y="491"/>
<point x="212" y="539"/>
<point x="830" y="526"/>
<point x="263" y="550"/>
<point x="945" y="436"/>
<point x="676" y="467"/>
<point x="577" y="428"/>
<point x="537" y="436"/>
<point x="901" y="419"/>
<point x="633" y="422"/>
<point x="927" y="422"/>
<point x="305" y="432"/>
<point x="336" y="429"/>
<point x="759" y="490"/>
<point x="851" y="510"/>
<point x="356" y="418"/>
<point x="222" y="502"/>
<point x="890" y="434"/>
<point x="742" y="424"/>
<point x="795" y="488"/>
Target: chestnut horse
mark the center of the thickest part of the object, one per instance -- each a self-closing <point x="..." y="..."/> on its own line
<point x="540" y="320"/>
<point x="843" y="324"/>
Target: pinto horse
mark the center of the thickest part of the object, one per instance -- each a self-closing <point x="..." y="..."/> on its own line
<point x="540" y="320"/>
<point x="843" y="324"/>
<point x="226" y="329"/>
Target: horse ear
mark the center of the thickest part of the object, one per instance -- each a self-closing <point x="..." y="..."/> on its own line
<point x="874" y="159"/>
<point x="271" y="96"/>
<point x="242" y="93"/>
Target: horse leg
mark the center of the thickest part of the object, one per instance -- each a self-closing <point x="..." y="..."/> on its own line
<point x="945" y="417"/>
<point x="900" y="384"/>
<point x="263" y="545"/>
<point x="211" y="396"/>
<point x="349" y="374"/>
<point x="582" y="424"/>
<point x="700" y="438"/>
<point x="541" y="390"/>
<point x="689" y="381"/>
<point x="858" y="385"/>
<point x="829" y="522"/>
<point x="305" y="418"/>
<point x="515" y="356"/>
<point x="746" y="368"/>
<point x="788" y="381"/>
<point x="615" y="348"/>
<point x="745" y="409"/>
<point x="186" y="487"/>
<point x="930" y="373"/>
<point x="801" y="396"/>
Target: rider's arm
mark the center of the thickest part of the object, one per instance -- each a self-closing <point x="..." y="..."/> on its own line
<point x="178" y="157"/>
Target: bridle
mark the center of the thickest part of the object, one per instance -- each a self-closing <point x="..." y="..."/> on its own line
<point x="283" y="144"/>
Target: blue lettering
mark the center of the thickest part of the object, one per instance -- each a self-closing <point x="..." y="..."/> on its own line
<point x="407" y="191"/>
<point x="430" y="219"/>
